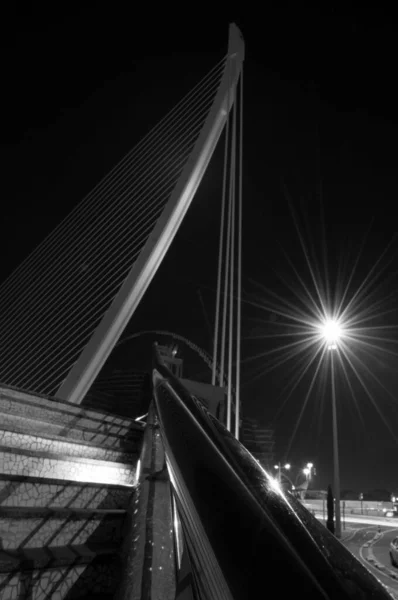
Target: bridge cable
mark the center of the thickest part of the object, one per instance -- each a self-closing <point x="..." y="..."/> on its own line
<point x="232" y="187"/>
<point x="229" y="275"/>
<point x="79" y="211"/>
<point x="239" y="284"/>
<point x="220" y="259"/>
<point x="225" y="296"/>
<point x="70" y="238"/>
<point x="50" y="305"/>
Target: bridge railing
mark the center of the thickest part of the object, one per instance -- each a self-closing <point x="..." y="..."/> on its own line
<point x="241" y="532"/>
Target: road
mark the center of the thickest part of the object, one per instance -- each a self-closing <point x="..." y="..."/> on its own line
<point x="355" y="518"/>
<point x="371" y="544"/>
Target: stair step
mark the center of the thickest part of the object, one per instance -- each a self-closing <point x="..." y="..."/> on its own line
<point x="32" y="414"/>
<point x="106" y="436"/>
<point x="59" y="446"/>
<point x="20" y="512"/>
<point x="67" y="475"/>
<point x="47" y="464"/>
<point x="61" y="573"/>
<point x="21" y="491"/>
<point x="29" y="559"/>
<point x="21" y="529"/>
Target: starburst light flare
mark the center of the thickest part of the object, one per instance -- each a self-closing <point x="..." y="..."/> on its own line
<point x="332" y="333"/>
<point x="316" y="311"/>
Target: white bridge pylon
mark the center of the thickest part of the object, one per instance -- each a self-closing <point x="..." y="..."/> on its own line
<point x="106" y="335"/>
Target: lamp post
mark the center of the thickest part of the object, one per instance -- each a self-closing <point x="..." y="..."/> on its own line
<point x="332" y="333"/>
<point x="279" y="468"/>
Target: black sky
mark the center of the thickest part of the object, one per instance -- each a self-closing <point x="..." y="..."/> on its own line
<point x="81" y="87"/>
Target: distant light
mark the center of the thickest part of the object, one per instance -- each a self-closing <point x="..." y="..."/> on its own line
<point x="310" y="465"/>
<point x="276" y="466"/>
<point x="306" y="471"/>
<point x="140" y="418"/>
<point x="287" y="466"/>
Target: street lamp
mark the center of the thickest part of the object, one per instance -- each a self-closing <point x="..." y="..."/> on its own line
<point x="332" y="332"/>
<point x="308" y="470"/>
<point x="279" y="468"/>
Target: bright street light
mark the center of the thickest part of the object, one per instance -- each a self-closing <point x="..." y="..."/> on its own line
<point x="332" y="333"/>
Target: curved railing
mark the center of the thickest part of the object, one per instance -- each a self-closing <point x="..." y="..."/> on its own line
<point x="244" y="537"/>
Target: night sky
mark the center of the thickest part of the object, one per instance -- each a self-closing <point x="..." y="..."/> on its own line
<point x="320" y="120"/>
